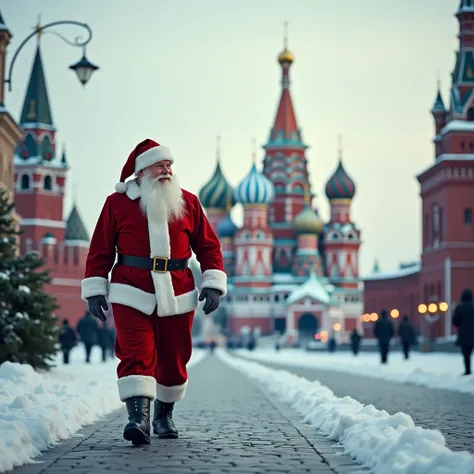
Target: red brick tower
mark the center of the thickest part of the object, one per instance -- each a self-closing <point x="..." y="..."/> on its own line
<point x="285" y="166"/>
<point x="40" y="181"/>
<point x="447" y="186"/>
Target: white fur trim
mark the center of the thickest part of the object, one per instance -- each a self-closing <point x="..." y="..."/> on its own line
<point x="170" y="394"/>
<point x="133" y="297"/>
<point x="133" y="190"/>
<point x="146" y="302"/>
<point x="121" y="187"/>
<point x="93" y="286"/>
<point x="152" y="156"/>
<point x="136" y="386"/>
<point x="216" y="279"/>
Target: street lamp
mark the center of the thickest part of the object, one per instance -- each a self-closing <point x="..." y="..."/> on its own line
<point x="431" y="313"/>
<point x="83" y="68"/>
<point x="394" y="313"/>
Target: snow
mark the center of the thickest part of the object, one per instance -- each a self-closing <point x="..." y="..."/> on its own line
<point x="433" y="370"/>
<point x="39" y="409"/>
<point x="24" y="289"/>
<point x="411" y="270"/>
<point x="387" y="444"/>
<point x="457" y="126"/>
<point x="313" y="288"/>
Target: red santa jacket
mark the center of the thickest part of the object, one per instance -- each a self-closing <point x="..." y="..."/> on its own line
<point x="123" y="228"/>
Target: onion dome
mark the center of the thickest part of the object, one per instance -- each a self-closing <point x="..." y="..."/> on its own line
<point x="307" y="222"/>
<point x="226" y="228"/>
<point x="340" y="184"/>
<point x="286" y="57"/>
<point x="255" y="189"/>
<point x="217" y="192"/>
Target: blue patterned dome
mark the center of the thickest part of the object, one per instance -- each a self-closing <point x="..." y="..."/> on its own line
<point x="255" y="189"/>
<point x="226" y="228"/>
<point x="217" y="193"/>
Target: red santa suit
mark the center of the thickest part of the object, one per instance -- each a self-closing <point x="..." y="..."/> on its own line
<point x="153" y="311"/>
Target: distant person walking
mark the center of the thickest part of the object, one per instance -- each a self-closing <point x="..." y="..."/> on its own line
<point x="383" y="331"/>
<point x="355" y="341"/>
<point x="89" y="332"/>
<point x="67" y="340"/>
<point x="407" y="335"/>
<point x="463" y="319"/>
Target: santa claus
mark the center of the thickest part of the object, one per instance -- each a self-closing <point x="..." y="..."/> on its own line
<point x="148" y="229"/>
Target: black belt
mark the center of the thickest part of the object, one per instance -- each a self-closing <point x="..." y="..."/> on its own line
<point x="156" y="264"/>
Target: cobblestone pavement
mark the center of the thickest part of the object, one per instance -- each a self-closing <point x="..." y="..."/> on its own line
<point x="448" y="411"/>
<point x="227" y="424"/>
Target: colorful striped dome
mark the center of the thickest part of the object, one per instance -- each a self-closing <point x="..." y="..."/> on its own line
<point x="255" y="189"/>
<point x="226" y="228"/>
<point x="217" y="193"/>
<point x="340" y="184"/>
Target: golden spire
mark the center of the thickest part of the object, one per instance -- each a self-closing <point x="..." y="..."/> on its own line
<point x="285" y="57"/>
<point x="218" y="148"/>
<point x="254" y="150"/>
<point x="307" y="195"/>
<point x="285" y="35"/>
<point x="38" y="28"/>
<point x="339" y="147"/>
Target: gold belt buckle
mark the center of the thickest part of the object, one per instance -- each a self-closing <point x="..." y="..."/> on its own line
<point x="157" y="259"/>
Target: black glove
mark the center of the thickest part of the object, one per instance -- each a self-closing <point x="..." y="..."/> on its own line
<point x="213" y="298"/>
<point x="96" y="304"/>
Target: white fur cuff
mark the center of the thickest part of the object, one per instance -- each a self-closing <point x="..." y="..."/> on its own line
<point x="216" y="279"/>
<point x="93" y="286"/>
<point x="170" y="394"/>
<point x="136" y="386"/>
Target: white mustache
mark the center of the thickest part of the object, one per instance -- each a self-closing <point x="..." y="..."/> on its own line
<point x="164" y="176"/>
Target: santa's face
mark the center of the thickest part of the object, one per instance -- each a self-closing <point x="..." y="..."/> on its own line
<point x="161" y="196"/>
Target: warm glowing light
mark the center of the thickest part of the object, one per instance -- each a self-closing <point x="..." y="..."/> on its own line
<point x="422" y="308"/>
<point x="373" y="317"/>
<point x="432" y="307"/>
<point x="366" y="317"/>
<point x="394" y="313"/>
<point x="317" y="336"/>
<point x="337" y="327"/>
<point x="324" y="336"/>
<point x="443" y="306"/>
<point x="362" y="318"/>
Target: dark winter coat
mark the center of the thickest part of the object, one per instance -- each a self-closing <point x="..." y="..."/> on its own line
<point x="67" y="338"/>
<point x="355" y="339"/>
<point x="463" y="319"/>
<point x="383" y="330"/>
<point x="88" y="329"/>
<point x="105" y="337"/>
<point x="407" y="333"/>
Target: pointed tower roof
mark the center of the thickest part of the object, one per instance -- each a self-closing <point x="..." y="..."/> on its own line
<point x="285" y="126"/>
<point x="3" y="26"/>
<point x="36" y="107"/>
<point x="466" y="6"/>
<point x="340" y="184"/>
<point x="75" y="229"/>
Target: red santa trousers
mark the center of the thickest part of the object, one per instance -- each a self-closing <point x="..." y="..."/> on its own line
<point x="153" y="353"/>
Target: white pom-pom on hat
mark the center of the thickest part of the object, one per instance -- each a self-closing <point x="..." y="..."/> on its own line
<point x="121" y="187"/>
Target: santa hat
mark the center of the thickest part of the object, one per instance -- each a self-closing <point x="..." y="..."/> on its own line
<point x="145" y="154"/>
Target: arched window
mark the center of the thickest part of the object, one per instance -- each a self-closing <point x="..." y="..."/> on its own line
<point x="31" y="148"/>
<point x="25" y="182"/>
<point x="435" y="225"/>
<point x="48" y="183"/>
<point x="46" y="149"/>
<point x="468" y="216"/>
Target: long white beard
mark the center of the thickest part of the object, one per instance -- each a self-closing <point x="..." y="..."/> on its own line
<point x="161" y="199"/>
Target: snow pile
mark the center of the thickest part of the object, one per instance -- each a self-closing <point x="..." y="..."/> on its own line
<point x="433" y="370"/>
<point x="38" y="409"/>
<point x="386" y="444"/>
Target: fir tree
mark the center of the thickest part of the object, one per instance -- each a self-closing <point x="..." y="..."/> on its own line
<point x="28" y="327"/>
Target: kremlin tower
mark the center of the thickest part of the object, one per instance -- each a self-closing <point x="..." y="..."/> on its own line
<point x="278" y="280"/>
<point x="40" y="183"/>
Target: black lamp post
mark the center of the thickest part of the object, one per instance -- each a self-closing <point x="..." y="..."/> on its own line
<point x="83" y="68"/>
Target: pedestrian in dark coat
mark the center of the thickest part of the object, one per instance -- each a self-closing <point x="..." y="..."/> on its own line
<point x="407" y="335"/>
<point x="67" y="340"/>
<point x="104" y="339"/>
<point x="89" y="333"/>
<point x="383" y="331"/>
<point x="355" y="341"/>
<point x="463" y="319"/>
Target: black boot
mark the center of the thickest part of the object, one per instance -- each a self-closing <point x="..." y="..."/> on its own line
<point x="163" y="424"/>
<point x="137" y="429"/>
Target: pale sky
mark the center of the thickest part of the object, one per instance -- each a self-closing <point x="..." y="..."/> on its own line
<point x="183" y="71"/>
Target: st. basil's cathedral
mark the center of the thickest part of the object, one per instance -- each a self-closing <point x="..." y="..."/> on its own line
<point x="288" y="271"/>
